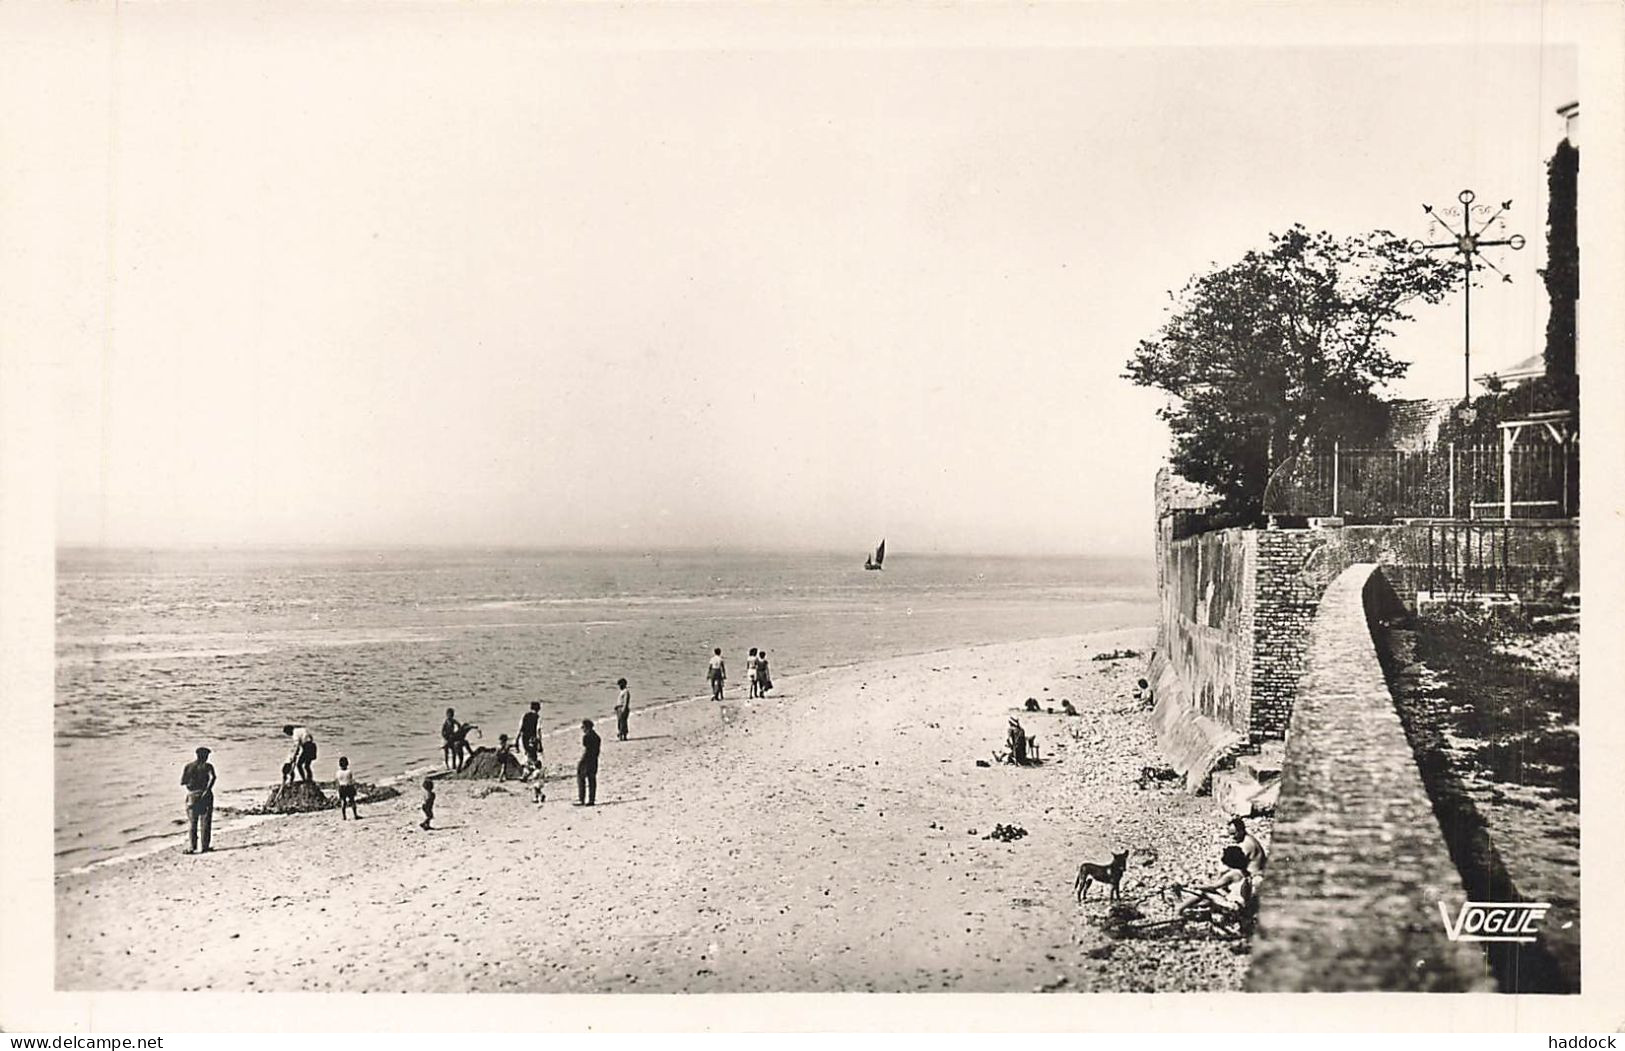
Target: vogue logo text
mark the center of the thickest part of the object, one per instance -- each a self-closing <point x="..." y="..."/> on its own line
<point x="1494" y="921"/>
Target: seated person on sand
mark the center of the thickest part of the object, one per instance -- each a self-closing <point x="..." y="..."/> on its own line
<point x="504" y="757"/>
<point x="1066" y="707"/>
<point x="1230" y="892"/>
<point x="1018" y="742"/>
<point x="1257" y="857"/>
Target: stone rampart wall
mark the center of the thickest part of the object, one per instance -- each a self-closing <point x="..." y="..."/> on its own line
<point x="1207" y="615"/>
<point x="1236" y="604"/>
<point x="1358" y="864"/>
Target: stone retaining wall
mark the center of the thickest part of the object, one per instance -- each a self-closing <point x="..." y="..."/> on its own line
<point x="1236" y="605"/>
<point x="1358" y="864"/>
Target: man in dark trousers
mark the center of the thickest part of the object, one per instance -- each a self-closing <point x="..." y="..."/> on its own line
<point x="587" y="769"/>
<point x="717" y="672"/>
<point x="530" y="736"/>
<point x="198" y="779"/>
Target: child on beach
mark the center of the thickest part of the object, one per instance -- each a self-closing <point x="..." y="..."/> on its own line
<point x="752" y="666"/>
<point x="504" y="754"/>
<point x="623" y="709"/>
<point x="428" y="803"/>
<point x="345" y="779"/>
<point x="764" y="681"/>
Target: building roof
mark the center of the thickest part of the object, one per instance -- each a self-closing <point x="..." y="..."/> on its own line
<point x="1414" y="424"/>
<point x="1527" y="369"/>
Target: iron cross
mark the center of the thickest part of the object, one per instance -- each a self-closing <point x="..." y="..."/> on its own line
<point x="1470" y="246"/>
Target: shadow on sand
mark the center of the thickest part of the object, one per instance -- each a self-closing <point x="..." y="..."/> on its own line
<point x="245" y="846"/>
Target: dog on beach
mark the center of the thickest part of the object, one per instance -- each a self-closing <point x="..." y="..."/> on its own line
<point x="1111" y="875"/>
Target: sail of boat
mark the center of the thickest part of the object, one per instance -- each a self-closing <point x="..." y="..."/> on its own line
<point x="874" y="561"/>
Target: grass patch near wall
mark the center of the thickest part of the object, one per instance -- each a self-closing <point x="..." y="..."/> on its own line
<point x="1490" y="700"/>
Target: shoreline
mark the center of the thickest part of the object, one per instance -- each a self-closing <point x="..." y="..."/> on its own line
<point x="821" y="841"/>
<point x="237" y="817"/>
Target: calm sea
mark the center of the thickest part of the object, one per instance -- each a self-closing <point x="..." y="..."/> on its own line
<point x="161" y="651"/>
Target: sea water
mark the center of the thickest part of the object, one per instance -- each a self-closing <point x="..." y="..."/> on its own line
<point x="158" y="652"/>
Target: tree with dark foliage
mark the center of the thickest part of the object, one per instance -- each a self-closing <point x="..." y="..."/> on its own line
<point x="1562" y="273"/>
<point x="1559" y="388"/>
<point x="1284" y="347"/>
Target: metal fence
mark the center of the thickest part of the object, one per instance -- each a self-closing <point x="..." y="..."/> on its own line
<point x="1443" y="481"/>
<point x="1469" y="558"/>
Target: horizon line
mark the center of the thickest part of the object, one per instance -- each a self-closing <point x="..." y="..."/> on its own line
<point x="318" y="545"/>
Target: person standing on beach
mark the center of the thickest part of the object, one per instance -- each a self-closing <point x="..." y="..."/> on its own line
<point x="345" y="780"/>
<point x="751" y="667"/>
<point x="764" y="681"/>
<point x="198" y="780"/>
<point x="530" y="737"/>
<point x="448" y="738"/>
<point x="587" y="768"/>
<point x="304" y="750"/>
<point x="717" y="672"/>
<point x="623" y="710"/>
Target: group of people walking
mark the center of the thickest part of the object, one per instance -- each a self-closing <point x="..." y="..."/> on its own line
<point x="756" y="673"/>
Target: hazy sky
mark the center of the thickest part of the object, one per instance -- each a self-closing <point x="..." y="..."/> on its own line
<point x="443" y="279"/>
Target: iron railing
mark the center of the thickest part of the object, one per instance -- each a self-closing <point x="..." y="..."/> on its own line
<point x="1445" y="481"/>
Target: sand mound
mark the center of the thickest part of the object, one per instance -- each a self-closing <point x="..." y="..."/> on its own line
<point x="297" y="798"/>
<point x="371" y="793"/>
<point x="488" y="764"/>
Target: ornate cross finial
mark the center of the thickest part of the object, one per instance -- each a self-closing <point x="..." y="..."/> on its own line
<point x="1470" y="245"/>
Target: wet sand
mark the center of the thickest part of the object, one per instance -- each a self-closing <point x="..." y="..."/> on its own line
<point x="821" y="841"/>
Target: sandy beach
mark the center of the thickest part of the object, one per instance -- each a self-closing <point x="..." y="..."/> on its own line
<point x="830" y="838"/>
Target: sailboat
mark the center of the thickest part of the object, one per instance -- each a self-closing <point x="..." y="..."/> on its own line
<point x="874" y="561"/>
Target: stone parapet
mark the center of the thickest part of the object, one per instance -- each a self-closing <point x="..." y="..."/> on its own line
<point x="1358" y="864"/>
